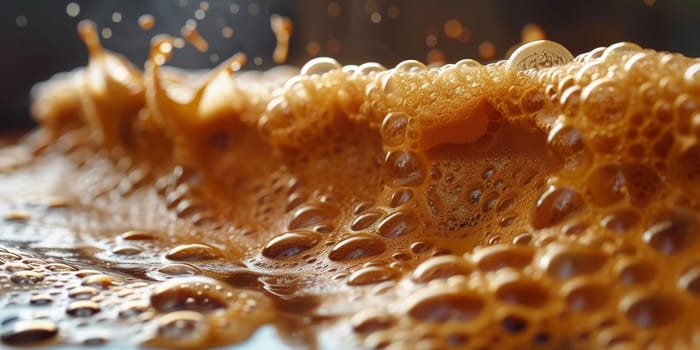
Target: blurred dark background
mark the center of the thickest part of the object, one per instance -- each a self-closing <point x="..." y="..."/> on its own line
<point x="39" y="36"/>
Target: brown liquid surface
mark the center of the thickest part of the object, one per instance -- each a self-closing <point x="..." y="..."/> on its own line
<point x="465" y="206"/>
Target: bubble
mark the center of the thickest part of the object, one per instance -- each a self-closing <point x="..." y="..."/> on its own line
<point x="672" y="231"/>
<point x="398" y="224"/>
<point x="370" y="275"/>
<point x="568" y="142"/>
<point x="566" y="262"/>
<point x="290" y="244"/>
<point x="690" y="281"/>
<point x="555" y="205"/>
<point x="28" y="332"/>
<point x="403" y="168"/>
<point x="83" y="293"/>
<point x="199" y="294"/>
<point x="401" y="197"/>
<point x="408" y="66"/>
<point x="369" y="321"/>
<point x="177" y="269"/>
<point x="585" y="296"/>
<point x="319" y="66"/>
<point x="444" y="306"/>
<point x="193" y="252"/>
<point x="441" y="267"/>
<point x="126" y="250"/>
<point x="500" y="256"/>
<point x="605" y="185"/>
<point x="369" y="68"/>
<point x="651" y="310"/>
<point x="687" y="167"/>
<point x="621" y="221"/>
<point x="133" y="309"/>
<point x="26" y="277"/>
<point x="16" y="266"/>
<point x="182" y="325"/>
<point x="357" y="246"/>
<point x="523" y="292"/>
<point x="364" y="220"/>
<point x="312" y="214"/>
<point x="532" y="101"/>
<point x="82" y="308"/>
<point x="393" y="129"/>
<point x="41" y="299"/>
<point x="637" y="272"/>
<point x="514" y="324"/>
<point x="101" y="281"/>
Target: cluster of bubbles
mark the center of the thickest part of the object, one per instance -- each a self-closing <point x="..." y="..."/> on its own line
<point x="543" y="201"/>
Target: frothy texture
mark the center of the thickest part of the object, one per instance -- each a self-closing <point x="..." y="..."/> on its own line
<point x="541" y="202"/>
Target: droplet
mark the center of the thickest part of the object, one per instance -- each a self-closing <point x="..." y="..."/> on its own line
<point x="28" y="332"/>
<point x="397" y="224"/>
<point x="370" y="275"/>
<point x="441" y="267"/>
<point x="193" y="252"/>
<point x="357" y="246"/>
<point x="403" y="168"/>
<point x="290" y="244"/>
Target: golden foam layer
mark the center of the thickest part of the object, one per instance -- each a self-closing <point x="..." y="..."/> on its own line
<point x="541" y="202"/>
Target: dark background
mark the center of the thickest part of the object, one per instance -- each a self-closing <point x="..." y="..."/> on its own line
<point x="48" y="43"/>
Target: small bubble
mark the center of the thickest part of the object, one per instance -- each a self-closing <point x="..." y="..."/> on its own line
<point x="73" y="9"/>
<point x="106" y="33"/>
<point x="21" y="21"/>
<point x="116" y="17"/>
